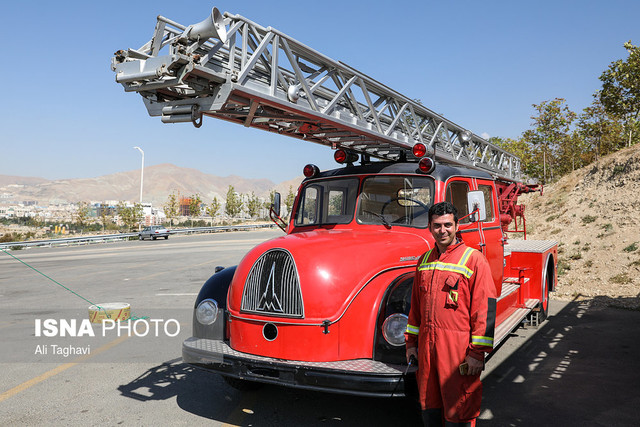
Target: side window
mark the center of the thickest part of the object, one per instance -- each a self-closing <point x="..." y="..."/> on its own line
<point x="330" y="201"/>
<point x="488" y="200"/>
<point x="336" y="202"/>
<point x="457" y="195"/>
<point x="308" y="213"/>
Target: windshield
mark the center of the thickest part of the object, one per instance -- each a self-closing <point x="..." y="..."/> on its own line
<point x="384" y="199"/>
<point x="395" y="200"/>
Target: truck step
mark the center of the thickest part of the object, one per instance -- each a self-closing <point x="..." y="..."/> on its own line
<point x="508" y="289"/>
<point x="513" y="321"/>
<point x="509" y="286"/>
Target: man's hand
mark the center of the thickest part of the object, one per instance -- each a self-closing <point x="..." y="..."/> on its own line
<point x="412" y="352"/>
<point x="475" y="365"/>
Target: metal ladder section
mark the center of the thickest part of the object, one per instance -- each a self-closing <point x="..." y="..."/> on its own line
<point x="262" y="78"/>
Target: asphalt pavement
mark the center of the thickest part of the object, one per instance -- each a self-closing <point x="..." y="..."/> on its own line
<point x="579" y="367"/>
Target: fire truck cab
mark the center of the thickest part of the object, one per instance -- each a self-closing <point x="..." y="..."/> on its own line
<point x="325" y="306"/>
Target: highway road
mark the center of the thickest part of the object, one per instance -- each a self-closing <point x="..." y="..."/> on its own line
<point x="538" y="377"/>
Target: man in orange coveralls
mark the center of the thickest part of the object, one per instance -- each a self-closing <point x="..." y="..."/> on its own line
<point x="451" y="324"/>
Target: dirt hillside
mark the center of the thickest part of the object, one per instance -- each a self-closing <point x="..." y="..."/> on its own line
<point x="594" y="215"/>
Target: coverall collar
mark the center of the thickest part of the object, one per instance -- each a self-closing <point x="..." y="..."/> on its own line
<point x="452" y="247"/>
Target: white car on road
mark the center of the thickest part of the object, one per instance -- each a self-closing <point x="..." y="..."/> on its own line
<point x="153" y="232"/>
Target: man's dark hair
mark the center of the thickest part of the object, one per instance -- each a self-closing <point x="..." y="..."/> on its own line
<point x="443" y="208"/>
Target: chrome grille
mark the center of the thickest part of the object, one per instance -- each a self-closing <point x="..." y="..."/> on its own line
<point x="273" y="287"/>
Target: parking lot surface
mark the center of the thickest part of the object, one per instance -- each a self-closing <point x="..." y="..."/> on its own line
<point x="580" y="367"/>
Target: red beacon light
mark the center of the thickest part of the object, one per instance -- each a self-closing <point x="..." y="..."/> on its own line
<point x="426" y="165"/>
<point x="343" y="156"/>
<point x="310" y="170"/>
<point x="419" y="150"/>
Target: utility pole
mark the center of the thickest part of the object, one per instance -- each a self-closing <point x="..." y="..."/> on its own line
<point x="141" y="171"/>
<point x="141" y="179"/>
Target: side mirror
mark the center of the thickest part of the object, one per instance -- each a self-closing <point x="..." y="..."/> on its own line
<point x="475" y="203"/>
<point x="275" y="206"/>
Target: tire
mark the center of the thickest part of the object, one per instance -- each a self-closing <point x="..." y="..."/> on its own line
<point x="166" y="237"/>
<point x="153" y="237"/>
<point x="242" y="385"/>
<point x="546" y="285"/>
<point x="140" y="237"/>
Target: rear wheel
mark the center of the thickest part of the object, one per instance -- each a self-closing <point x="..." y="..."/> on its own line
<point x="166" y="237"/>
<point x="544" y="304"/>
<point x="242" y="385"/>
<point x="546" y="285"/>
<point x="153" y="237"/>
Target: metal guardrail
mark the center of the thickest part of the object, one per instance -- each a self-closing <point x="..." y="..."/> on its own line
<point x="124" y="236"/>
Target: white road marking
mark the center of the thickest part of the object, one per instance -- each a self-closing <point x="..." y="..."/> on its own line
<point x="177" y="295"/>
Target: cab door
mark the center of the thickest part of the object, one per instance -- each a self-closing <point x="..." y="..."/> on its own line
<point x="456" y="193"/>
<point x="491" y="232"/>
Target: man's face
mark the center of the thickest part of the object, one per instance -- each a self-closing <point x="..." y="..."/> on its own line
<point x="443" y="229"/>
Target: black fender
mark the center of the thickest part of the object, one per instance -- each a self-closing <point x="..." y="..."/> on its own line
<point x="396" y="299"/>
<point x="215" y="288"/>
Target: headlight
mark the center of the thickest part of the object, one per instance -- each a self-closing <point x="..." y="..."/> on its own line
<point x="393" y="329"/>
<point x="207" y="312"/>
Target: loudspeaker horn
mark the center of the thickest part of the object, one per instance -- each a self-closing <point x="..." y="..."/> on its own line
<point x="213" y="26"/>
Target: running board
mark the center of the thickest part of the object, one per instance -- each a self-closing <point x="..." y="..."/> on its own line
<point x="513" y="321"/>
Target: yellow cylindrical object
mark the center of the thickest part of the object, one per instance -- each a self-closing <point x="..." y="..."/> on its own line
<point x="116" y="311"/>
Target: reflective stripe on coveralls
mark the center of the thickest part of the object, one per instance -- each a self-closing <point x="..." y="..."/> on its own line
<point x="412" y="329"/>
<point x="460" y="267"/>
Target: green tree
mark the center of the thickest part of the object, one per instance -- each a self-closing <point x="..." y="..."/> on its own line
<point x="171" y="207"/>
<point x="571" y="154"/>
<point x="131" y="216"/>
<point x="620" y="94"/>
<point x="234" y="203"/>
<point x="550" y="130"/>
<point x="288" y="201"/>
<point x="213" y="209"/>
<point x="529" y="155"/>
<point x="253" y="205"/>
<point x="194" y="206"/>
<point x="82" y="214"/>
<point x="106" y="215"/>
<point x="601" y="132"/>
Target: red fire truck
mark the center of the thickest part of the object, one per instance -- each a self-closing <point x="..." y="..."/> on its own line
<point x="325" y="306"/>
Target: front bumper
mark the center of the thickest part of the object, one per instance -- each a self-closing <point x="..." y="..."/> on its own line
<point x="360" y="377"/>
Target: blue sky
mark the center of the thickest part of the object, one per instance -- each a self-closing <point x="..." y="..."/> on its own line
<point x="479" y="63"/>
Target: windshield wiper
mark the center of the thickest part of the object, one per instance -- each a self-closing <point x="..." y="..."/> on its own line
<point x="381" y="217"/>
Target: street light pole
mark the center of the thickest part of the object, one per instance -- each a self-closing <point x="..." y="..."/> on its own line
<point x="141" y="171"/>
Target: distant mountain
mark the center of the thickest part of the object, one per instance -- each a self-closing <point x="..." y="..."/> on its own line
<point x="6" y="180"/>
<point x="159" y="182"/>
